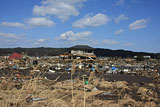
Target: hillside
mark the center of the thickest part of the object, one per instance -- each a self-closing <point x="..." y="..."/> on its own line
<point x="56" y="51"/>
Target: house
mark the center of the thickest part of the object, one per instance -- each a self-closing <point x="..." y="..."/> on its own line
<point x="82" y="51"/>
<point x="15" y="56"/>
<point x="145" y="57"/>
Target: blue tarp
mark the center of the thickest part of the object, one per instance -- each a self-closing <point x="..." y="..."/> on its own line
<point x="14" y="67"/>
<point x="93" y="69"/>
<point x="113" y="68"/>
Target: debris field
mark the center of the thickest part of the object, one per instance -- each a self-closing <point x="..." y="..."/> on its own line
<point x="62" y="82"/>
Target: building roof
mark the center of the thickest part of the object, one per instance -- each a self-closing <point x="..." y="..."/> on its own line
<point x="82" y="47"/>
<point x="15" y="56"/>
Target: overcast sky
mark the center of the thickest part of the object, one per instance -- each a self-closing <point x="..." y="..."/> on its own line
<point x="114" y="24"/>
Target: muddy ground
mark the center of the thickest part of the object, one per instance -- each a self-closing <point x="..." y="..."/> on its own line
<point x="107" y="77"/>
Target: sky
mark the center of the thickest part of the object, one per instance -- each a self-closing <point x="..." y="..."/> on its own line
<point x="112" y="24"/>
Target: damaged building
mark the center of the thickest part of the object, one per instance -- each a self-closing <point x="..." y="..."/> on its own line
<point x="82" y="51"/>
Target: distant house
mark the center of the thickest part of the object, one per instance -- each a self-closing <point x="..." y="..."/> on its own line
<point x="82" y="51"/>
<point x="145" y="57"/>
<point x="15" y="56"/>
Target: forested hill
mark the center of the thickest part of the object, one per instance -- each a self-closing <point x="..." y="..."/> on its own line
<point x="56" y="51"/>
<point x="123" y="53"/>
<point x="34" y="51"/>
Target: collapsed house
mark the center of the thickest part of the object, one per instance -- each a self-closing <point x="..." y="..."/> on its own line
<point x="82" y="51"/>
<point x="65" y="55"/>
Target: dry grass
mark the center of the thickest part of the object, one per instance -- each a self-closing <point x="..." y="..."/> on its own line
<point x="67" y="93"/>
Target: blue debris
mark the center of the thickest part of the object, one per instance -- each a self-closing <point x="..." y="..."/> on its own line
<point x="14" y="67"/>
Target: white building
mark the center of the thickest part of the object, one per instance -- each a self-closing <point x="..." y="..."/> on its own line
<point x="82" y="50"/>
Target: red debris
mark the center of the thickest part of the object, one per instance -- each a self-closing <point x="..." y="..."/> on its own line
<point x="17" y="75"/>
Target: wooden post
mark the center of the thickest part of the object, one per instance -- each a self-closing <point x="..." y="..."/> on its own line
<point x="84" y="94"/>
